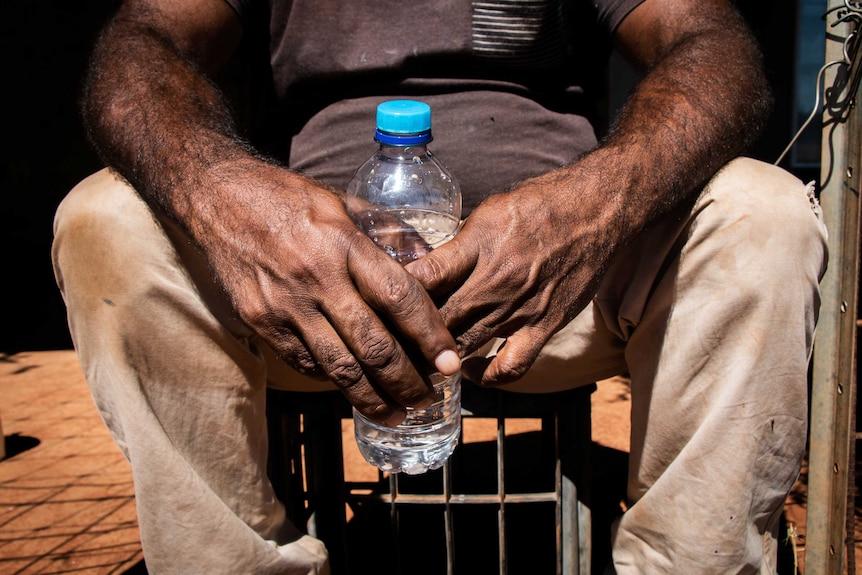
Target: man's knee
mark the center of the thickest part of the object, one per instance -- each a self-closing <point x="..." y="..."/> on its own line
<point x="779" y="213"/>
<point x="79" y="225"/>
<point x="97" y="200"/>
<point x="771" y="195"/>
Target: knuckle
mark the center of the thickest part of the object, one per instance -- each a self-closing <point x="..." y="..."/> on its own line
<point x="344" y="371"/>
<point x="429" y="270"/>
<point x="402" y="294"/>
<point x="377" y="351"/>
<point x="507" y="370"/>
<point x="305" y="364"/>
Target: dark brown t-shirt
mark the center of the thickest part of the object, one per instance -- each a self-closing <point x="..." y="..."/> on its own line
<point x="513" y="85"/>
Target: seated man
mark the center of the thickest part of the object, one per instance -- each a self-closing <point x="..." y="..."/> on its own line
<point x="208" y="263"/>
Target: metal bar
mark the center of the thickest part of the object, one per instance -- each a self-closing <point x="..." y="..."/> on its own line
<point x="560" y="514"/>
<point x="850" y="526"/>
<point x="394" y="520"/>
<point x="501" y="486"/>
<point x="568" y="494"/>
<point x="457" y="498"/>
<point x="447" y="518"/>
<point x="575" y="464"/>
<point x="833" y="378"/>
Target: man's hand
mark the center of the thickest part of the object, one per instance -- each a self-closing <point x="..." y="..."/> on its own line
<point x="527" y="261"/>
<point x="524" y="264"/>
<point x="296" y="268"/>
<point x="320" y="293"/>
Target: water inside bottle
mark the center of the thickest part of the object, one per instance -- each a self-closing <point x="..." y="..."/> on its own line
<point x="396" y="231"/>
<point x="423" y="441"/>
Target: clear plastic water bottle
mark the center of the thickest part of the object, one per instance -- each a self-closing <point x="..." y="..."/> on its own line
<point x="408" y="203"/>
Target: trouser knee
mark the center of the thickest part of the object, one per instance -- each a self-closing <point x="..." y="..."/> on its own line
<point x="781" y="213"/>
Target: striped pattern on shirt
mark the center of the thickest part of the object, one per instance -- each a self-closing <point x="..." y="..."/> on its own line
<point x="521" y="33"/>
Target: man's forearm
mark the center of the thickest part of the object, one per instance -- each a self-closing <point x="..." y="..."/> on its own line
<point x="702" y="103"/>
<point x="157" y="119"/>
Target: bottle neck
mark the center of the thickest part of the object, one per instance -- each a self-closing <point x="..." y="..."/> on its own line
<point x="402" y="152"/>
<point x="402" y="140"/>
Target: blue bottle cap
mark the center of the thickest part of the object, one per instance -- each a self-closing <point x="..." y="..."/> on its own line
<point x="403" y="117"/>
<point x="403" y="122"/>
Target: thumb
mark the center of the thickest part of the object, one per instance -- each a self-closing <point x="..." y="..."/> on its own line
<point x="513" y="359"/>
<point x="445" y="268"/>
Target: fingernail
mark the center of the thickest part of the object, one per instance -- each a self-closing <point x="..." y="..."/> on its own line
<point x="396" y="418"/>
<point x="448" y="362"/>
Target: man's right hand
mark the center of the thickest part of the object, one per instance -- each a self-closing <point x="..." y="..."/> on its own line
<point x="295" y="266"/>
<point x="320" y="293"/>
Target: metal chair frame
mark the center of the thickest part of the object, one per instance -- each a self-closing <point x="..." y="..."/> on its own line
<point x="307" y="469"/>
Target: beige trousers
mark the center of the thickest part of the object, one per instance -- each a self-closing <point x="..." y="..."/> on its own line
<point x="711" y="312"/>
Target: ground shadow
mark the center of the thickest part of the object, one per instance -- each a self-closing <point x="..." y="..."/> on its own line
<point x="17" y="444"/>
<point x="139" y="568"/>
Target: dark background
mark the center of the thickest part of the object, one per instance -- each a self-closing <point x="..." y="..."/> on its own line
<point x="46" y="45"/>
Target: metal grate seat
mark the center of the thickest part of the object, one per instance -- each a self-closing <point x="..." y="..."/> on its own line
<point x="517" y="503"/>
